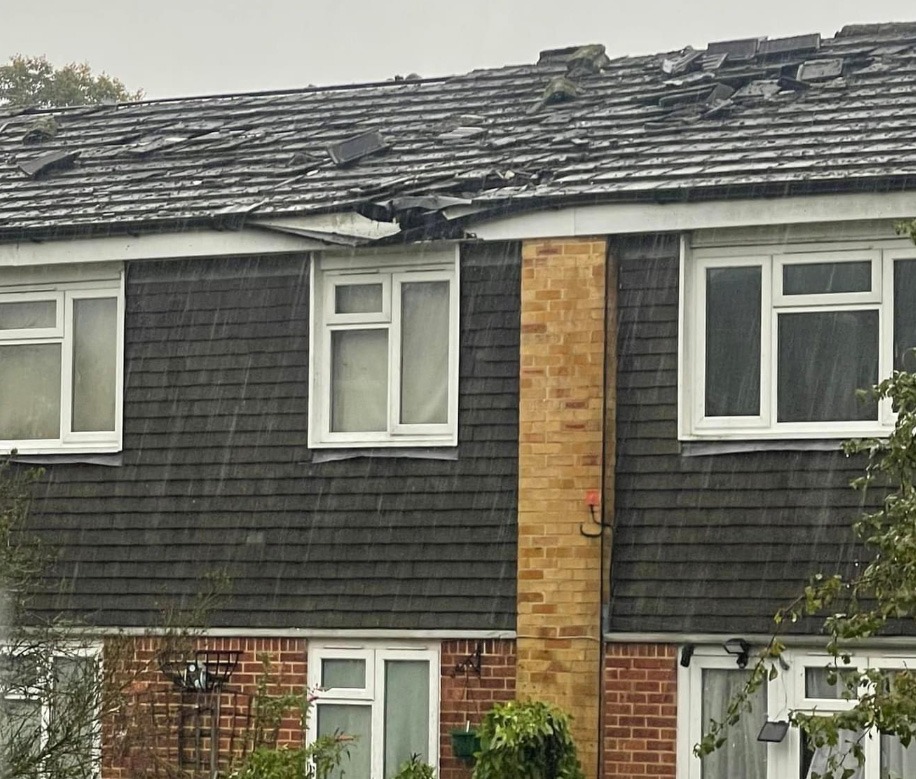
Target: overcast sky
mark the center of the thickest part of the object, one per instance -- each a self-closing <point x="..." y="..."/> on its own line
<point x="193" y="47"/>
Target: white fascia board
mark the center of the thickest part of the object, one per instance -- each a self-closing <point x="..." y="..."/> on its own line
<point x="630" y="218"/>
<point x="309" y="633"/>
<point x="755" y="640"/>
<point x="348" y="224"/>
<point x="163" y="246"/>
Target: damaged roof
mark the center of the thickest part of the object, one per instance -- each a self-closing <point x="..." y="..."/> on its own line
<point x="738" y="119"/>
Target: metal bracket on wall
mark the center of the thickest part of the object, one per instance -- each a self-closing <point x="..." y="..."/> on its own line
<point x="593" y="501"/>
<point x="472" y="663"/>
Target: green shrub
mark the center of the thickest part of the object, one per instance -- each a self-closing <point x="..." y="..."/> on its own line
<point x="528" y="740"/>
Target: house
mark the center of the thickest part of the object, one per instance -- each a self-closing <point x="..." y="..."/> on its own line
<point x="529" y="381"/>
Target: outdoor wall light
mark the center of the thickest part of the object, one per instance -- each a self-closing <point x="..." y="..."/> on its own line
<point x="686" y="654"/>
<point x="740" y="649"/>
<point x="773" y="732"/>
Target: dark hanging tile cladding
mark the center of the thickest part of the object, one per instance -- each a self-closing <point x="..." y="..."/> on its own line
<point x="732" y="122"/>
<point x="217" y="475"/>
<point x="707" y="544"/>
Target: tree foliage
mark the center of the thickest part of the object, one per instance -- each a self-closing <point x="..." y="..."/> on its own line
<point x="33" y="81"/>
<point x="857" y="608"/>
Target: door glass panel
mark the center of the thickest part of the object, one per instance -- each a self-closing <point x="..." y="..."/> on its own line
<point x="424" y="352"/>
<point x="95" y="350"/>
<point x="406" y="712"/>
<point x="358" y="298"/>
<point x="905" y="315"/>
<point x="343" y="673"/>
<point x="823" y="358"/>
<point x="28" y="315"/>
<point x="359" y="380"/>
<point x="355" y="722"/>
<point x="733" y="341"/>
<point x="820" y="278"/>
<point x="29" y="391"/>
<point x="742" y="755"/>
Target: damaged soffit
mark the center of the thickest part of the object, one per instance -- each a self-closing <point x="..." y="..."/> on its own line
<point x="754" y="115"/>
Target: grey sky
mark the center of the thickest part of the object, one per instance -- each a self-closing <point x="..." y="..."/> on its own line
<point x="185" y="47"/>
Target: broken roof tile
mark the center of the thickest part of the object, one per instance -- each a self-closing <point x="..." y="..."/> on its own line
<point x="820" y="70"/>
<point x="792" y="45"/>
<point x="356" y="147"/>
<point x="736" y="50"/>
<point x="44" y="163"/>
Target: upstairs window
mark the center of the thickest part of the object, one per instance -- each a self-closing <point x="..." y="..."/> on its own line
<point x="384" y="350"/>
<point x="61" y="356"/>
<point x="778" y="344"/>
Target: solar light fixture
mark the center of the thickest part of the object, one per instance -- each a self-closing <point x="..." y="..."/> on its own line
<point x="740" y="649"/>
<point x="773" y="731"/>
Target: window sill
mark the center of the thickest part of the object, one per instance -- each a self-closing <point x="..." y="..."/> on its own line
<point x="412" y="453"/>
<point x="707" y="448"/>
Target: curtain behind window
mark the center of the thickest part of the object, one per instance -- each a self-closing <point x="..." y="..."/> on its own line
<point x="742" y="755"/>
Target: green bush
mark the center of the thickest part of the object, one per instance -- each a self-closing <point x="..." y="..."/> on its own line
<point x="526" y="740"/>
<point x="415" y="768"/>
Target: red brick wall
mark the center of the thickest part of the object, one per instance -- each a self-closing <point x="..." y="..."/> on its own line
<point x="640" y="711"/>
<point x="465" y="696"/>
<point x="129" y="751"/>
<point x="139" y="733"/>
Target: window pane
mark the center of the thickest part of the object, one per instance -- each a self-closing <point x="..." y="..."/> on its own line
<point x="742" y="755"/>
<point x="343" y="673"/>
<point x="359" y="380"/>
<point x="733" y="341"/>
<point x="818" y="278"/>
<point x="95" y="350"/>
<point x="29" y="391"/>
<point x="823" y="761"/>
<point x="74" y="705"/>
<point x="406" y="712"/>
<point x="817" y="684"/>
<point x="897" y="761"/>
<point x="358" y="298"/>
<point x="904" y="314"/>
<point x="823" y="358"/>
<point x="353" y="721"/>
<point x="424" y="352"/>
<point x="20" y="736"/>
<point x="28" y="315"/>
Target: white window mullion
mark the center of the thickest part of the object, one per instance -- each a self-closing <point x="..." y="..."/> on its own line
<point x="66" y="370"/>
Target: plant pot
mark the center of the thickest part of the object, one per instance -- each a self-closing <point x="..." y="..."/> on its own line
<point x="464" y="744"/>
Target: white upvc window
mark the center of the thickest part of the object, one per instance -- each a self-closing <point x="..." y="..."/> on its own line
<point x="778" y="341"/>
<point x="384" y="349"/>
<point x="384" y="695"/>
<point x="49" y="708"/>
<point x="61" y="364"/>
<point x="713" y="678"/>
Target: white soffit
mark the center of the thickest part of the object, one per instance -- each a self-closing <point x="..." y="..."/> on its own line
<point x="163" y="246"/>
<point x="630" y="218"/>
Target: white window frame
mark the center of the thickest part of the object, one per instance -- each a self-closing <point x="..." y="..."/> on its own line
<point x="74" y="284"/>
<point x="392" y="269"/>
<point x="375" y="654"/>
<point x="786" y="692"/>
<point x="693" y="424"/>
<point x="93" y="651"/>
